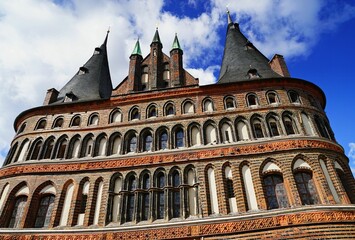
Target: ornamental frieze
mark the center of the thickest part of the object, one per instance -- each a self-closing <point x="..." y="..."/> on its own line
<point x="169" y="158"/>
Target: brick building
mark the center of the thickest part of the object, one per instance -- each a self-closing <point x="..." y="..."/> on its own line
<point x="252" y="156"/>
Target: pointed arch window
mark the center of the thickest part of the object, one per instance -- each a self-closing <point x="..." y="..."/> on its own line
<point x="307" y="124"/>
<point x="195" y="136"/>
<point x="37" y="146"/>
<point x="231" y="200"/>
<point x="166" y="74"/>
<point x="145" y="79"/>
<point x="242" y="129"/>
<point x="289" y="125"/>
<point x="116" y="145"/>
<point x="275" y="192"/>
<point x="62" y="146"/>
<point x="273" y="127"/>
<point x="257" y="128"/>
<point x="226" y="133"/>
<point x="210" y="134"/>
<point x="48" y="148"/>
<point x="132" y="144"/>
<point x="306" y="188"/>
<point x="44" y="212"/>
<point x="17" y="212"/>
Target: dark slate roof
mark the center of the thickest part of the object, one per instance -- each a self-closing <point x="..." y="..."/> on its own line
<point x="240" y="56"/>
<point x="92" y="81"/>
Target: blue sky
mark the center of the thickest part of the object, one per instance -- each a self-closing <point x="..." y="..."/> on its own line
<point x="44" y="42"/>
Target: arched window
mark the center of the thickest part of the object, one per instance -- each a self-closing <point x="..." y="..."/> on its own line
<point x="74" y="147"/>
<point x="99" y="184"/>
<point x="166" y="74"/>
<point x="64" y="217"/>
<point x="226" y="133"/>
<point x="212" y="189"/>
<point x="307" y="125"/>
<point x="306" y="187"/>
<point x="229" y="189"/>
<point x="162" y="139"/>
<point x="289" y="124"/>
<point x="229" y="102"/>
<point x="195" y="136"/>
<point x="294" y="97"/>
<point x="147" y="142"/>
<point x="75" y="122"/>
<point x="17" y="211"/>
<point x="152" y="111"/>
<point x="116" y="116"/>
<point x="114" y="198"/>
<point x="145" y="200"/>
<point x="257" y="128"/>
<point x="208" y="105"/>
<point x="35" y="149"/>
<point x="41" y="124"/>
<point x="242" y="130"/>
<point x="145" y="79"/>
<point x="132" y="144"/>
<point x="44" y="212"/>
<point x="87" y="147"/>
<point x="115" y="141"/>
<point x="47" y="149"/>
<point x="188" y="107"/>
<point x="179" y="138"/>
<point x="93" y="120"/>
<point x="275" y="192"/>
<point x="176" y="211"/>
<point x="22" y="128"/>
<point x="61" y="147"/>
<point x="273" y="126"/>
<point x="252" y="100"/>
<point x="321" y="127"/>
<point x="100" y="146"/>
<point x="11" y="154"/>
<point x="160" y="201"/>
<point x="4" y="192"/>
<point x="192" y="192"/>
<point x="210" y="134"/>
<point x="272" y="98"/>
<point x="58" y="123"/>
<point x="249" y="188"/>
<point x="132" y="185"/>
<point x="22" y="151"/>
<point x="134" y="114"/>
<point x="169" y="109"/>
<point x="82" y="201"/>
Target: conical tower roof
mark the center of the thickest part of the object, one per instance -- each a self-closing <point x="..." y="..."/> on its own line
<point x="137" y="49"/>
<point x="92" y="81"/>
<point x="242" y="61"/>
<point x="176" y="44"/>
<point x="156" y="38"/>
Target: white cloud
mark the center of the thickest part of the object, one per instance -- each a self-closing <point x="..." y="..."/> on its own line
<point x="43" y="43"/>
<point x="351" y="156"/>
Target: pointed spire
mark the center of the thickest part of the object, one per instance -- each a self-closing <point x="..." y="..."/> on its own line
<point x="137" y="49"/>
<point x="176" y="44"/>
<point x="105" y="42"/>
<point x="229" y="17"/>
<point x="239" y="55"/>
<point x="156" y="38"/>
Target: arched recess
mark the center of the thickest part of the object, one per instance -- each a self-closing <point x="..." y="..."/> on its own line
<point x="226" y="131"/>
<point x="61" y="146"/>
<point x="3" y="196"/>
<point x="130" y="142"/>
<point x="175" y="204"/>
<point x="65" y="200"/>
<point x="134" y="113"/>
<point x="210" y="133"/>
<point x="81" y="202"/>
<point x="207" y="105"/>
<point x="307" y="125"/>
<point x="258" y="127"/>
<point x="273" y="123"/>
<point x="22" y="151"/>
<point x="160" y="204"/>
<point x="345" y="178"/>
<point x="169" y="109"/>
<point x="188" y="107"/>
<point x="87" y="146"/>
<point x="146" y="140"/>
<point x="47" y="150"/>
<point x="250" y="196"/>
<point x="322" y="162"/>
<point x="178" y="136"/>
<point x="129" y="198"/>
<point x="115" y="143"/>
<point x="13" y="213"/>
<point x="229" y="103"/>
<point x="41" y="206"/>
<point x="74" y="147"/>
<point x="35" y="149"/>
<point x="231" y="201"/>
<point x="144" y="198"/>
<point x="211" y="185"/>
<point x="192" y="191"/>
<point x="194" y="134"/>
<point x="243" y="133"/>
<point x="11" y="154"/>
<point x="152" y="111"/>
<point x="96" y="202"/>
<point x="75" y="121"/>
<point x="93" y="119"/>
<point x="289" y="123"/>
<point x="58" y="122"/>
<point x="303" y="175"/>
<point x="100" y="145"/>
<point x="114" y="199"/>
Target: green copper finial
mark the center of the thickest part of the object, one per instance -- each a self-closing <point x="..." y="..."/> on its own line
<point x="156" y="38"/>
<point x="176" y="44"/>
<point x="137" y="49"/>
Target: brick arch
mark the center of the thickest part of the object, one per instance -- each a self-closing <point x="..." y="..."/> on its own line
<point x="204" y="128"/>
<point x="141" y="139"/>
<point x="58" y="144"/>
<point x="207" y="186"/>
<point x="304" y="158"/>
<point x="115" y="110"/>
<point x="97" y="144"/>
<point x="61" y="201"/>
<point x="186" y="170"/>
<point x="94" y="197"/>
<point x="148" y="109"/>
<point x="280" y="164"/>
<point x="208" y="98"/>
<point x="32" y="149"/>
<point x="157" y="137"/>
<point x="35" y="201"/>
<point x="45" y="147"/>
<point x="78" y="200"/>
<point x="9" y="204"/>
<point x="71" y="145"/>
<point x="228" y="121"/>
<point x="84" y="143"/>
